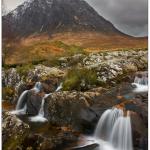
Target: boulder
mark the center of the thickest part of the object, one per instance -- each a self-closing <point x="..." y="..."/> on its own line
<point x="34" y="101"/>
<point x="59" y="138"/>
<point x="64" y="108"/>
<point x="14" y="131"/>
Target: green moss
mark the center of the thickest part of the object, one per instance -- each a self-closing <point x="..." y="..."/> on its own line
<point x="80" y="79"/>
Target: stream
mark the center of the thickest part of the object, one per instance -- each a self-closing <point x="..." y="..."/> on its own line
<point x="113" y="130"/>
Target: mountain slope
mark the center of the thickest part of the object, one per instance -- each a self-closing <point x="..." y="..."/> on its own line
<point x="51" y="16"/>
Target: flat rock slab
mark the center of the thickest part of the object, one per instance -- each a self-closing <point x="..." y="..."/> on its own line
<point x="86" y="147"/>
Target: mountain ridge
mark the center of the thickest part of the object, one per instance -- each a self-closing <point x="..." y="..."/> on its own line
<point x="52" y="16"/>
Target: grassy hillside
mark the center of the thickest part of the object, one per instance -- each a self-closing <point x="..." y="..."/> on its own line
<point x="36" y="48"/>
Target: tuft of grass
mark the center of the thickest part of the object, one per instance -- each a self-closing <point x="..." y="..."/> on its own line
<point x="80" y="79"/>
<point x="24" y="69"/>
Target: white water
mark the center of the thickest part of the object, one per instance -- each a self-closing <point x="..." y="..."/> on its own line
<point x="21" y="110"/>
<point x="40" y="117"/>
<point x="59" y="87"/>
<point x="141" y="84"/>
<point x="113" y="131"/>
<point x="37" y="87"/>
<point x="106" y="123"/>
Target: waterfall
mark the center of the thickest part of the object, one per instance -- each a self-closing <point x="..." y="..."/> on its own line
<point x="141" y="83"/>
<point x="37" y="87"/>
<point x="20" y="100"/>
<point x="59" y="87"/>
<point x="40" y="117"/>
<point x="113" y="131"/>
<point x="121" y="136"/>
<point x="106" y="123"/>
<point x="20" y="109"/>
<point x="21" y="106"/>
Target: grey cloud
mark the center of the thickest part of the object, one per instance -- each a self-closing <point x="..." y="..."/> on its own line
<point x="129" y="16"/>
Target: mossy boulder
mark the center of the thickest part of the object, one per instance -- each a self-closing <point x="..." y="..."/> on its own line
<point x="14" y="131"/>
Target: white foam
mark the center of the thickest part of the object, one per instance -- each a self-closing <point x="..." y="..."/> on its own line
<point x="139" y="88"/>
<point x="38" y="119"/>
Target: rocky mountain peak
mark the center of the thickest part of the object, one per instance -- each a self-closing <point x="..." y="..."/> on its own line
<point x="51" y="16"/>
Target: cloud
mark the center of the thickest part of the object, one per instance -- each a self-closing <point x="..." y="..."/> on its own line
<point x="129" y="16"/>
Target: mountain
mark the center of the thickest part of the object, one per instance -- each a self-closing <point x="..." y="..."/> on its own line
<point x="43" y="29"/>
<point x="53" y="16"/>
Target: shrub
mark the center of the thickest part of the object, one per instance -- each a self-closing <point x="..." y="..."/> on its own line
<point x="52" y="62"/>
<point x="80" y="79"/>
<point x="23" y="70"/>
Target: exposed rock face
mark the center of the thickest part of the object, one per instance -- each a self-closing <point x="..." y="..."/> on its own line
<point x="40" y="16"/>
<point x="14" y="131"/>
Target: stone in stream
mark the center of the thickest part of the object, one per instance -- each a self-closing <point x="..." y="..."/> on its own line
<point x="87" y="147"/>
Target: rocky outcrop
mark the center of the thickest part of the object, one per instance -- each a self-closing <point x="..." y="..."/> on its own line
<point x="19" y="82"/>
<point x="14" y="131"/>
<point x="112" y="67"/>
<point x="64" y="108"/>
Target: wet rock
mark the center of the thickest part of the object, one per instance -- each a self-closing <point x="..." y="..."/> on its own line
<point x="34" y="101"/>
<point x="139" y="131"/>
<point x="64" y="108"/>
<point x="87" y="147"/>
<point x="55" y="141"/>
<point x="14" y="131"/>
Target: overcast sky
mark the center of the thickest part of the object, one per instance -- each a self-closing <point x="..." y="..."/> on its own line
<point x="129" y="16"/>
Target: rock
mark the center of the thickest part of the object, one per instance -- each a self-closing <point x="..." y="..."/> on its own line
<point x="111" y="69"/>
<point x="64" y="108"/>
<point x="14" y="131"/>
<point x="34" y="101"/>
<point x="57" y="140"/>
<point x="139" y="131"/>
<point x="87" y="147"/>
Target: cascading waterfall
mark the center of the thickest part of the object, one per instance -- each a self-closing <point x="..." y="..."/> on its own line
<point x="113" y="131"/>
<point x="140" y="83"/>
<point x="106" y="123"/>
<point x="40" y="117"/>
<point x="21" y="106"/>
<point x="121" y="136"/>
